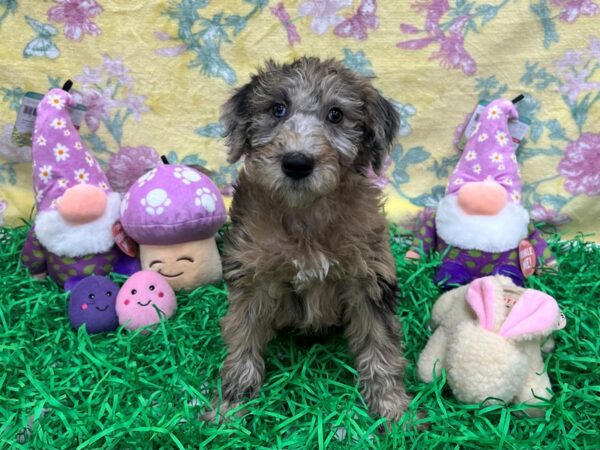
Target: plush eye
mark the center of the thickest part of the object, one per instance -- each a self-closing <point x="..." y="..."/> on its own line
<point x="335" y="115"/>
<point x="108" y="293"/>
<point x="280" y="110"/>
<point x="91" y="296"/>
<point x="151" y="287"/>
<point x="186" y="258"/>
<point x="133" y="291"/>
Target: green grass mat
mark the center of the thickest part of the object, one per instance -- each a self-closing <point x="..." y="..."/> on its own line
<point x="122" y="390"/>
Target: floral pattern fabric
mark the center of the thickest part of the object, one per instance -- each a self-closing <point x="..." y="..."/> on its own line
<point x="153" y="75"/>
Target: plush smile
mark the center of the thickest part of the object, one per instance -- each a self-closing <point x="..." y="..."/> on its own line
<point x="170" y="276"/>
<point x="102" y="309"/>
<point x="144" y="304"/>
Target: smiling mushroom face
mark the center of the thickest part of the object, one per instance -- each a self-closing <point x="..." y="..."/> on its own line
<point x="141" y="296"/>
<point x="184" y="265"/>
<point x="173" y="212"/>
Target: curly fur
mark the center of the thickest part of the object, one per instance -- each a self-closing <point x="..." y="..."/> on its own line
<point x="311" y="254"/>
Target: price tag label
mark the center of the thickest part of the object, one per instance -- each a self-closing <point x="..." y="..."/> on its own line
<point x="124" y="242"/>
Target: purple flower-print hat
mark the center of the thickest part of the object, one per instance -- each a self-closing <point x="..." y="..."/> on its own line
<point x="172" y="204"/>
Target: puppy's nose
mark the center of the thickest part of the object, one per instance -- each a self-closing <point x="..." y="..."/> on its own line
<point x="297" y="165"/>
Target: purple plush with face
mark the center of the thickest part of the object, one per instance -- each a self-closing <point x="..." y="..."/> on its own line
<point x="92" y="303"/>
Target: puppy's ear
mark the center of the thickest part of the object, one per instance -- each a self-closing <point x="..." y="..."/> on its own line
<point x="381" y="126"/>
<point x="235" y="116"/>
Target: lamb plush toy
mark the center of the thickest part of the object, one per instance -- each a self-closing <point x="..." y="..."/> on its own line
<point x="488" y="337"/>
<point x="481" y="217"/>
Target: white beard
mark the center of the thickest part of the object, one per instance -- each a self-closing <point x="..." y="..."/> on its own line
<point x="74" y="240"/>
<point x="497" y="233"/>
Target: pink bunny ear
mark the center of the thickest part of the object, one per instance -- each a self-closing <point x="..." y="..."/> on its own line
<point x="534" y="313"/>
<point x="481" y="296"/>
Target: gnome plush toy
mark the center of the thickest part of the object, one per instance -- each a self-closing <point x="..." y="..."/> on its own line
<point x="481" y="218"/>
<point x="72" y="234"/>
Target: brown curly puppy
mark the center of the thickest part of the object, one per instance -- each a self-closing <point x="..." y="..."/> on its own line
<point x="308" y="248"/>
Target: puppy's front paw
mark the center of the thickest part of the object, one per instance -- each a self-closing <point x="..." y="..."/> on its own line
<point x="391" y="404"/>
<point x="223" y="411"/>
<point x="411" y="420"/>
<point x="241" y="377"/>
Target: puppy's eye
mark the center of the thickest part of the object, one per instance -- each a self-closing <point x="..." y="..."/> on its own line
<point x="91" y="296"/>
<point x="108" y="293"/>
<point x="133" y="291"/>
<point x="280" y="110"/>
<point x="151" y="287"/>
<point x="335" y="115"/>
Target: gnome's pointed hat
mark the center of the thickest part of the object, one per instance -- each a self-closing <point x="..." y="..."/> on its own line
<point x="60" y="159"/>
<point x="490" y="153"/>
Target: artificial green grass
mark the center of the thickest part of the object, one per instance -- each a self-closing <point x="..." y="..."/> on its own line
<point x="123" y="390"/>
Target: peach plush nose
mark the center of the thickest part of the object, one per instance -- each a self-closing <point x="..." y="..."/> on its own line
<point x="82" y="203"/>
<point x="484" y="198"/>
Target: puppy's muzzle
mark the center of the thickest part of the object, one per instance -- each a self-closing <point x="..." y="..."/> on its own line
<point x="297" y="165"/>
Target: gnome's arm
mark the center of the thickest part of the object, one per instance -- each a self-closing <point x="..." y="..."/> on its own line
<point x="424" y="234"/>
<point x="32" y="254"/>
<point x="543" y="253"/>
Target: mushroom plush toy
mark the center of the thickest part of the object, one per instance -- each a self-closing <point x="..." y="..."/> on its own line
<point x="173" y="213"/>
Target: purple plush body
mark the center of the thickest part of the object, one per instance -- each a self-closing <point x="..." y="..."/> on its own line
<point x="67" y="271"/>
<point x="92" y="303"/>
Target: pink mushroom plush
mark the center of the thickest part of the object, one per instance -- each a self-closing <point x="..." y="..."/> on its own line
<point x="173" y="213"/>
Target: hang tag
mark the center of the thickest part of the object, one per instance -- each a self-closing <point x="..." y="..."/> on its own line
<point x="25" y="122"/>
<point x="527" y="258"/>
<point x="124" y="242"/>
<point x="509" y="302"/>
<point x="561" y="322"/>
<point x="517" y="128"/>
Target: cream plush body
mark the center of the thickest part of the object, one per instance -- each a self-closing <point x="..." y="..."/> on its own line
<point x="488" y="337"/>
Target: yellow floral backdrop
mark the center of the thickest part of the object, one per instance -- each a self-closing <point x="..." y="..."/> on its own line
<point x="153" y="74"/>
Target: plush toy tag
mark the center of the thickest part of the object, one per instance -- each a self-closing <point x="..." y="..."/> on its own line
<point x="561" y="322"/>
<point x="25" y="123"/>
<point x="517" y="128"/>
<point x="124" y="242"/>
<point x="527" y="257"/>
<point x="509" y="302"/>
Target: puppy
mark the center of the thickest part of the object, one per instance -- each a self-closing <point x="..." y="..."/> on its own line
<point x="308" y="248"/>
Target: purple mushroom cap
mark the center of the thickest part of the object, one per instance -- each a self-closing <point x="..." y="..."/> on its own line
<point x="172" y="204"/>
